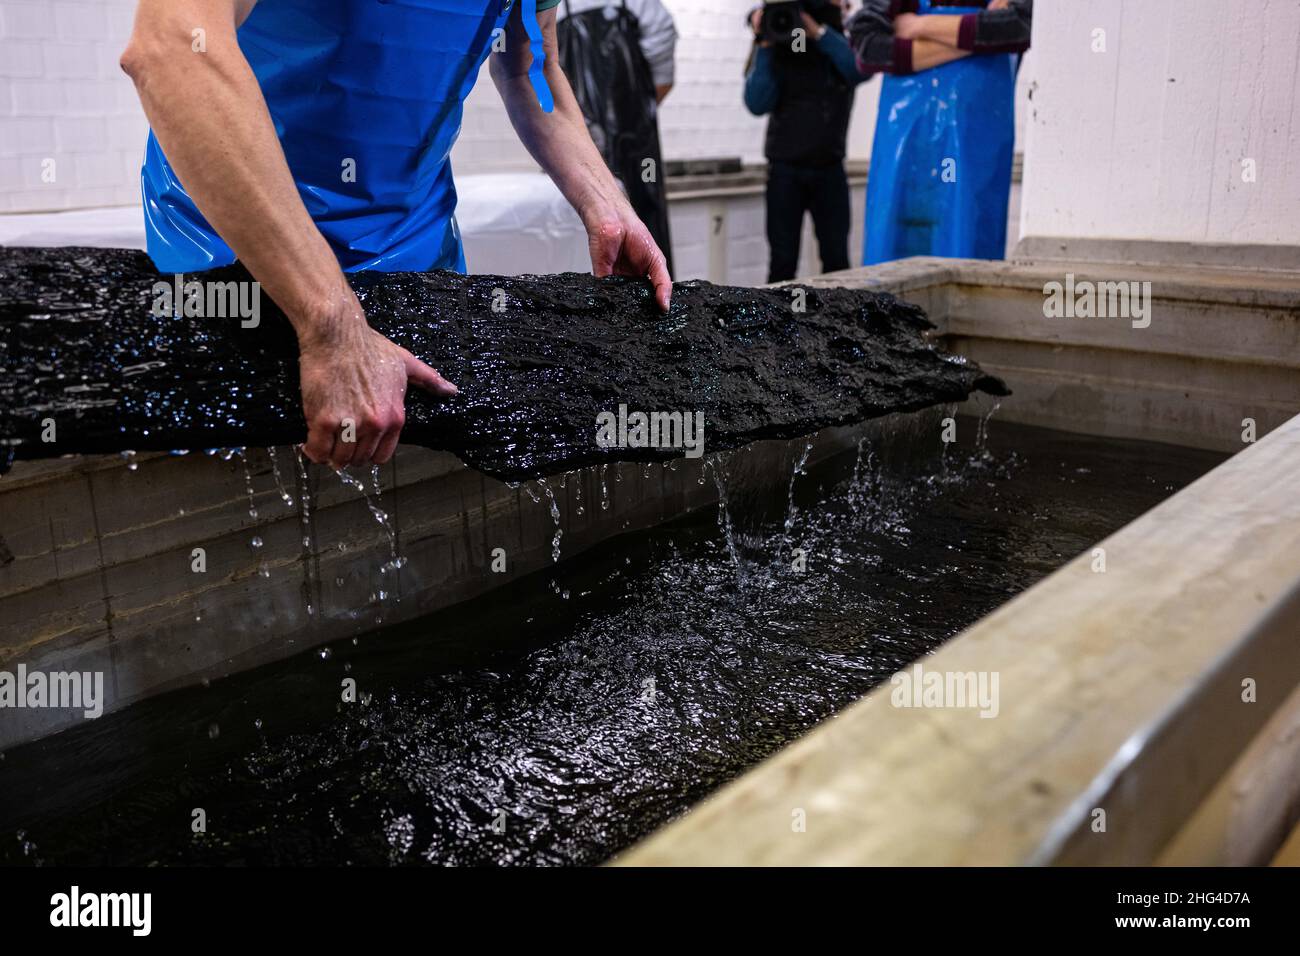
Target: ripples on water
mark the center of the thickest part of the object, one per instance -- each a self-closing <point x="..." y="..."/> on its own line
<point x="522" y="728"/>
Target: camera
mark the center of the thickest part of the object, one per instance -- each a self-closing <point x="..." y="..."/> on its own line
<point x="781" y="18"/>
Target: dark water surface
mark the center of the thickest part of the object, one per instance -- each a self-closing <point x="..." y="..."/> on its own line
<point x="527" y="728"/>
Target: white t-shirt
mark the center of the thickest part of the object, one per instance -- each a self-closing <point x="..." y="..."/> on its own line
<point x="658" y="34"/>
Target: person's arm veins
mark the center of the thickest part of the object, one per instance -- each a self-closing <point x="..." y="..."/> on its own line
<point x="209" y="116"/>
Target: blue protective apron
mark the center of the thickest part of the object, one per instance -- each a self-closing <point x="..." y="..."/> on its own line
<point x="958" y="118"/>
<point x="366" y="99"/>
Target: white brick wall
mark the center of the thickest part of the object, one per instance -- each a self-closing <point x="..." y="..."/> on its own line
<point x="71" y="131"/>
<point x="62" y="97"/>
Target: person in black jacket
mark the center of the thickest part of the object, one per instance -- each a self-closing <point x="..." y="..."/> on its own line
<point x="807" y="91"/>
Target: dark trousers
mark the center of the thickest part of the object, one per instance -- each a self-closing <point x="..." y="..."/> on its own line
<point x="794" y="190"/>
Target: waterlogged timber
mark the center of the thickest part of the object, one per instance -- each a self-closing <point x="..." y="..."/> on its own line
<point x="525" y="727"/>
<point x="90" y="365"/>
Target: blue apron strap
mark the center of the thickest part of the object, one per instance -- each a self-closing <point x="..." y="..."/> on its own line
<point x="536" y="72"/>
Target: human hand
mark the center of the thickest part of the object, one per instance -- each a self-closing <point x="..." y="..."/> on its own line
<point x="353" y="382"/>
<point x="620" y="244"/>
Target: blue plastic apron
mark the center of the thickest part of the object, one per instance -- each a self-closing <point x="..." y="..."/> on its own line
<point x="955" y="120"/>
<point x="366" y="99"/>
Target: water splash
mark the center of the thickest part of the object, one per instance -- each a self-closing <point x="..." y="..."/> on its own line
<point x="717" y="466"/>
<point x="982" y="453"/>
<point x="791" y="511"/>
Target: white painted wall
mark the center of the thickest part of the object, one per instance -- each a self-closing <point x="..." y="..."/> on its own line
<point x="1146" y="139"/>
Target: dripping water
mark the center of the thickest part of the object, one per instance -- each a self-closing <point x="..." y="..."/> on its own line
<point x="248" y="482"/>
<point x="791" y="510"/>
<point x="555" y="516"/>
<point x="304" y="518"/>
<point x="279" y="481"/>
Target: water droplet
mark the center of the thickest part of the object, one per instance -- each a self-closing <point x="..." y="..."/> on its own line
<point x="326" y="653"/>
<point x="256" y="542"/>
<point x="257" y="724"/>
<point x="213" y="731"/>
<point x="338" y="582"/>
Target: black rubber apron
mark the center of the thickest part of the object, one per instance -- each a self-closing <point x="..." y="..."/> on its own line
<point x="600" y="52"/>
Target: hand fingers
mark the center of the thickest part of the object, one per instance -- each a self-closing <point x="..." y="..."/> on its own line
<point x="388" y="444"/>
<point x="367" y="442"/>
<point x="319" y="445"/>
<point x="421" y="375"/>
<point x="341" y="455"/>
<point x="648" y="260"/>
<point x="605" y="242"/>
<point x="662" y="282"/>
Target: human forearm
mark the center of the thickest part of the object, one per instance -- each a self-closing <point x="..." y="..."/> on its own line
<point x="558" y="140"/>
<point x="208" y="113"/>
<point x="1003" y="28"/>
<point x="211" y="120"/>
<point x="835" y="47"/>
<point x="936" y="27"/>
<point x="929" y="53"/>
<point x="618" y="241"/>
<point x="761" y="90"/>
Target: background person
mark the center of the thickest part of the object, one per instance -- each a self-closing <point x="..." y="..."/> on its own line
<point x="618" y="56"/>
<point x="940" y="171"/>
<point x="808" y="96"/>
